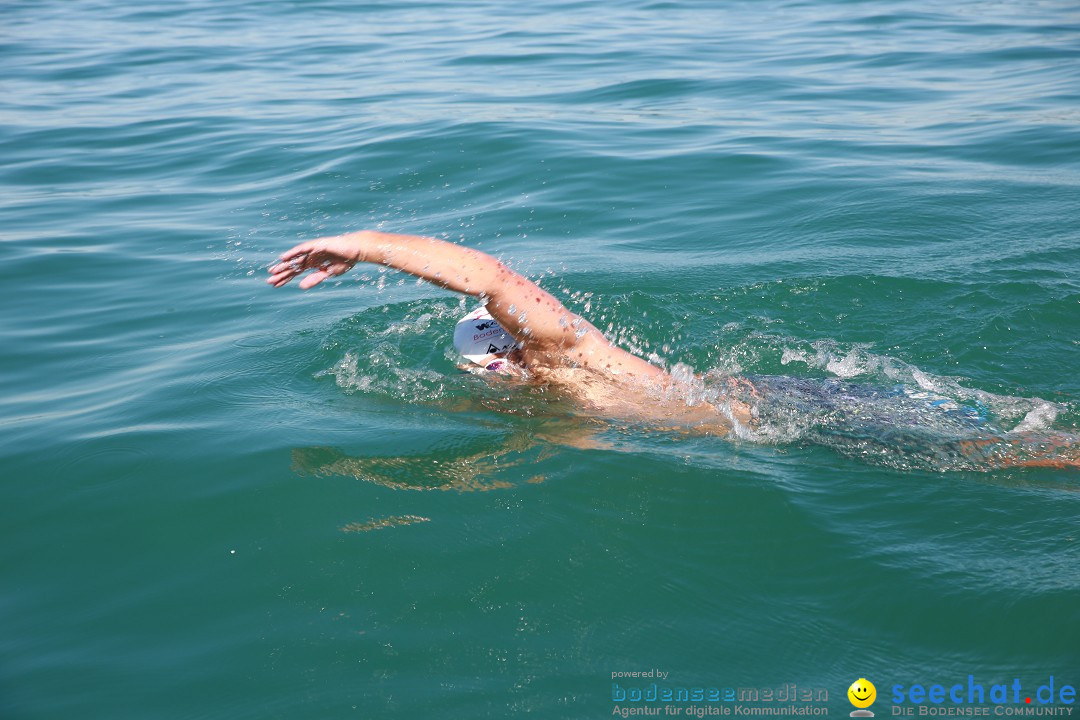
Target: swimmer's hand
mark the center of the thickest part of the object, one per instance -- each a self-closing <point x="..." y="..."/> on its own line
<point x="326" y="257"/>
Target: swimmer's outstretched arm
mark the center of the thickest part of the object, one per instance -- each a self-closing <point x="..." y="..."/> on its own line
<point x="536" y="319"/>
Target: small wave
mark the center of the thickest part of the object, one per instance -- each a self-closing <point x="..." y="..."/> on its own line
<point x="859" y="362"/>
<point x="388" y="355"/>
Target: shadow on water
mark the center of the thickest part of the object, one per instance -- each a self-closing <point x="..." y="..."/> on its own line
<point x="469" y="466"/>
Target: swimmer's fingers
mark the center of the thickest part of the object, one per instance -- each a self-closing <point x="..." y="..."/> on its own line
<point x="283" y="277"/>
<point x="328" y="271"/>
<point x="284" y="272"/>
<point x="313" y="279"/>
<point x="288" y="270"/>
<point x="296" y="265"/>
<point x="304" y="248"/>
<point x="340" y="247"/>
<point x="329" y="256"/>
<point x="309" y="256"/>
<point x="279" y="279"/>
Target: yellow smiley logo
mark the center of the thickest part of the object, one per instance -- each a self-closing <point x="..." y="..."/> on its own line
<point x="862" y="693"/>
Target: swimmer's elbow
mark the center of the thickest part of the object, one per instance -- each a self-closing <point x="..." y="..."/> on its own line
<point x="501" y="282"/>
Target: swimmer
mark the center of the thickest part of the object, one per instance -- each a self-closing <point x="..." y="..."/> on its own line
<point x="524" y="331"/>
<point x="543" y="341"/>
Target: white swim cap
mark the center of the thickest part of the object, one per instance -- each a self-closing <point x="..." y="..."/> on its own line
<point x="481" y="340"/>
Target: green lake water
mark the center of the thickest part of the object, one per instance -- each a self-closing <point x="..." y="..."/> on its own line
<point x="221" y="500"/>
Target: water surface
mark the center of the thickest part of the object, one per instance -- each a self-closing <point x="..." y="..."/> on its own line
<point x="226" y="501"/>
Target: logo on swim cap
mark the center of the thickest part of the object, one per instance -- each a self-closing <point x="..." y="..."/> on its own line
<point x="481" y="340"/>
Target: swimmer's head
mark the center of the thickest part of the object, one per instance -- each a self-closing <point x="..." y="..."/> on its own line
<point x="483" y="342"/>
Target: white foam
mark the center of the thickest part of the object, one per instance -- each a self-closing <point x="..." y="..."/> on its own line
<point x="1040" y="418"/>
<point x="847" y="367"/>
